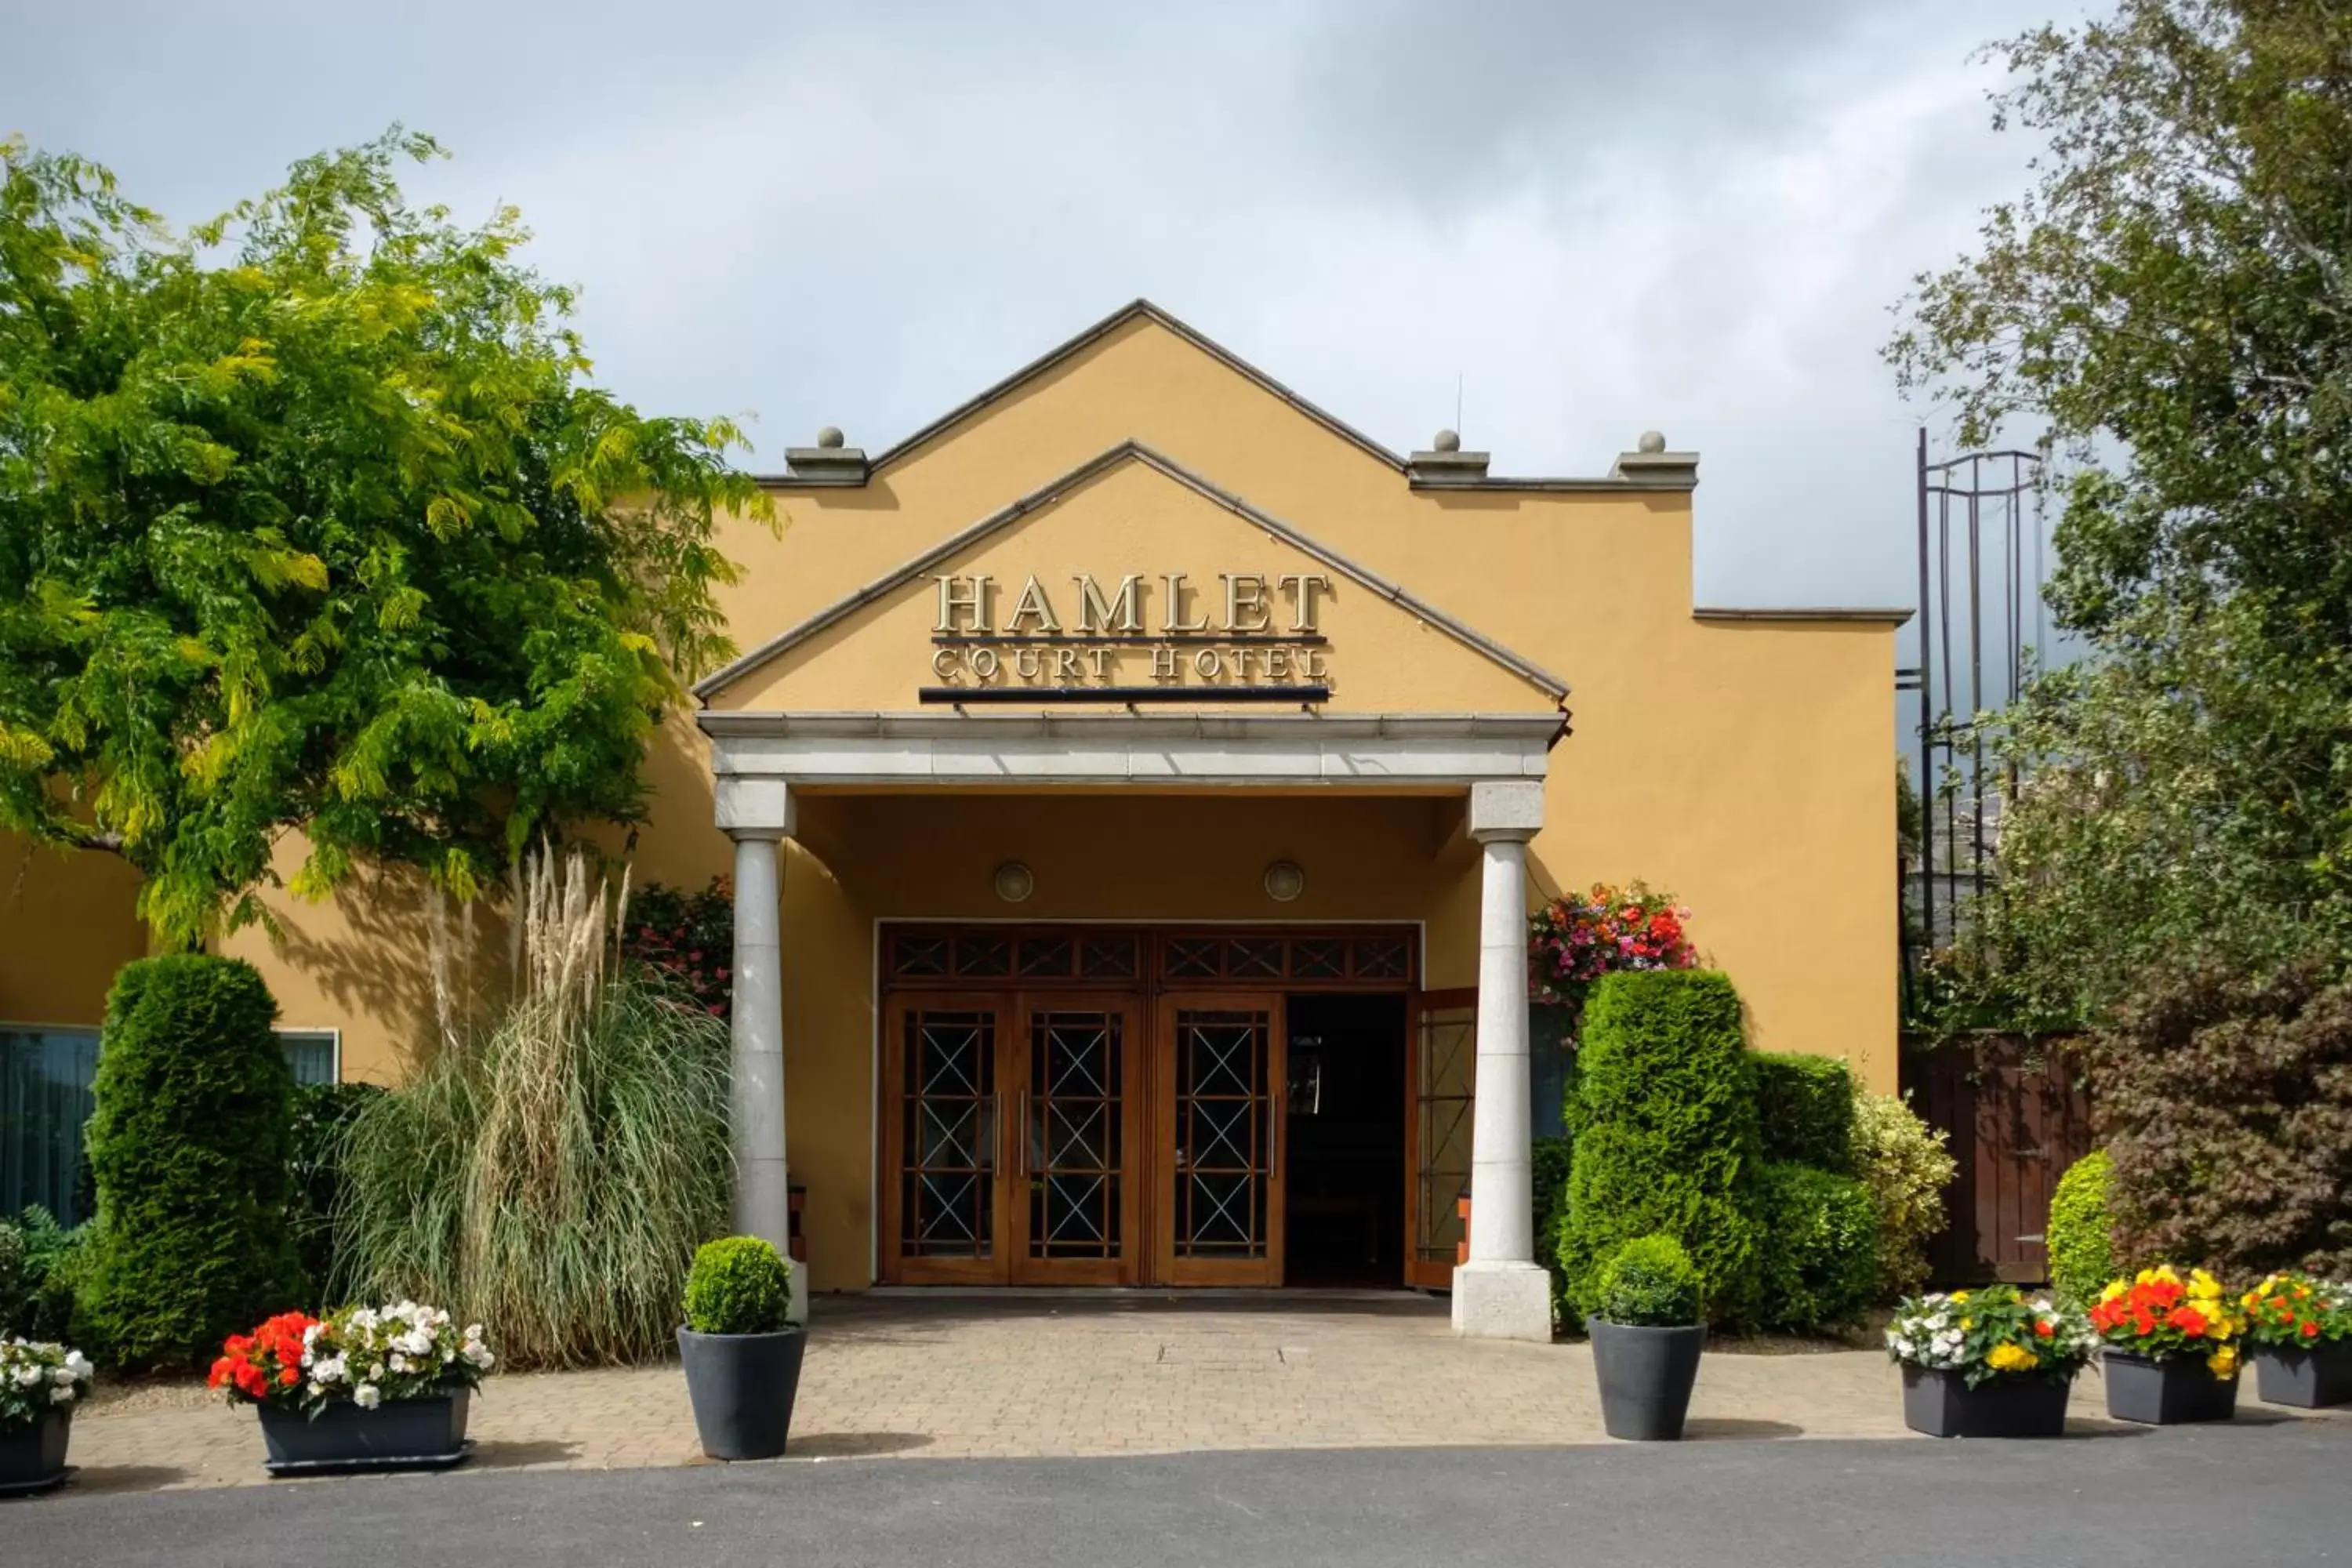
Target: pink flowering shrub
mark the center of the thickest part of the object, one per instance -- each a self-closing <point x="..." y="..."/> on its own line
<point x="688" y="939"/>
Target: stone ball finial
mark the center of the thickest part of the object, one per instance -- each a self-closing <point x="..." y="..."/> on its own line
<point x="1651" y="441"/>
<point x="829" y="437"/>
<point x="1448" y="441"/>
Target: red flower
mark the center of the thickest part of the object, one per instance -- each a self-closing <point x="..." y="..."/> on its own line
<point x="2311" y="1330"/>
<point x="2045" y="1329"/>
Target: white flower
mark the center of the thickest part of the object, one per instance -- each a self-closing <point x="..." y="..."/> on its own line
<point x="62" y="1394"/>
<point x="367" y="1397"/>
<point x="27" y="1376"/>
<point x="376" y="1372"/>
<point x="78" y="1362"/>
<point x="62" y="1377"/>
<point x="399" y="1362"/>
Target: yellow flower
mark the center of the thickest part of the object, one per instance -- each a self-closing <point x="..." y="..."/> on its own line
<point x="1960" y="1296"/>
<point x="2223" y="1363"/>
<point x="2008" y="1357"/>
<point x="2203" y="1285"/>
<point x="1967" y="1323"/>
<point x="2115" y="1288"/>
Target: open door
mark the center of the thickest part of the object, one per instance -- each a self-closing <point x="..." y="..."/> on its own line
<point x="1222" y="1081"/>
<point x="1442" y="1078"/>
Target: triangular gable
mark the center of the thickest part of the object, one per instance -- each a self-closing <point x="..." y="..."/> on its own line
<point x="1144" y="310"/>
<point x="1131" y="452"/>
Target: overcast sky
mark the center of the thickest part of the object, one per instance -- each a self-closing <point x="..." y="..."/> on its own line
<point x="1601" y="217"/>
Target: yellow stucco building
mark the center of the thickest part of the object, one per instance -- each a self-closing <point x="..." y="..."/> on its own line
<point x="1135" y="784"/>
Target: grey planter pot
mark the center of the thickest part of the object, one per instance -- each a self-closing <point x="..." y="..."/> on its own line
<point x="1941" y="1404"/>
<point x="33" y="1456"/>
<point x="742" y="1387"/>
<point x="400" y="1434"/>
<point x="2307" y="1378"/>
<point x="1646" y="1375"/>
<point x="2167" y="1393"/>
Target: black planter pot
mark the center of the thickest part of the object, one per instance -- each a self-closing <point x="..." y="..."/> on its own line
<point x="1645" y="1377"/>
<point x="2310" y="1378"/>
<point x="398" y="1434"/>
<point x="742" y="1387"/>
<point x="33" y="1456"/>
<point x="2165" y="1393"/>
<point x="2009" y="1404"/>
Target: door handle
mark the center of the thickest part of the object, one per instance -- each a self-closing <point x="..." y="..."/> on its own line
<point x="1021" y="1138"/>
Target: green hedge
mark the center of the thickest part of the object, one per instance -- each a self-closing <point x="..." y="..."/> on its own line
<point x="323" y="1111"/>
<point x="1551" y="1158"/>
<point x="1666" y="1136"/>
<point x="1804" y="1109"/>
<point x="190" y="1145"/>
<point x="2082" y="1231"/>
<point x="1820" y="1249"/>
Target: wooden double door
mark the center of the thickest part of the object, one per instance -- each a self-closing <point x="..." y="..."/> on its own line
<point x="1075" y="1137"/>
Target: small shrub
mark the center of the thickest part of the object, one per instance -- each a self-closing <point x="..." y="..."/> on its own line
<point x="2226" y="1106"/>
<point x="19" y="1284"/>
<point x="1804" y="1109"/>
<point x="324" y="1114"/>
<point x="1820" y="1249"/>
<point x="1550" y="1158"/>
<point x="190" y="1142"/>
<point x="1667" y="1139"/>
<point x="50" y="1273"/>
<point x="686" y="939"/>
<point x="739" y="1285"/>
<point x="2082" y="1244"/>
<point x="1648" y="1283"/>
<point x="1904" y="1166"/>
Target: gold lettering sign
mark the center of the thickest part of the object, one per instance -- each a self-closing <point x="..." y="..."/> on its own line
<point x="1248" y="637"/>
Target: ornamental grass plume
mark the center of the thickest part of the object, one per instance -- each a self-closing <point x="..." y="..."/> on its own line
<point x="552" y="1169"/>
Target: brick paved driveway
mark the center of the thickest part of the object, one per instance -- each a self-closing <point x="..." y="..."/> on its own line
<point x="1019" y="1377"/>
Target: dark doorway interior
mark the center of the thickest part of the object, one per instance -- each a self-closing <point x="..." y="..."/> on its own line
<point x="1343" y="1143"/>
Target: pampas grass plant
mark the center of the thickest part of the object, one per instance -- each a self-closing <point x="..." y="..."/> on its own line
<point x="551" y="1171"/>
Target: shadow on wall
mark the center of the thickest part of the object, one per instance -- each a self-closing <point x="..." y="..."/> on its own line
<point x="368" y="952"/>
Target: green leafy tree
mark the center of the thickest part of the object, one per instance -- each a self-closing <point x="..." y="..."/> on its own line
<point x="311" y="520"/>
<point x="2172" y="305"/>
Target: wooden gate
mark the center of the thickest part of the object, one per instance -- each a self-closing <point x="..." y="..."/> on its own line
<point x="2018" y="1115"/>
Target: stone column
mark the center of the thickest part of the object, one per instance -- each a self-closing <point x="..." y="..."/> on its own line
<point x="1502" y="1293"/>
<point x="757" y="814"/>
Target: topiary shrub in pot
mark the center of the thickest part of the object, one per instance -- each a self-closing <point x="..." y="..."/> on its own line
<point x="742" y="1350"/>
<point x="1646" y="1338"/>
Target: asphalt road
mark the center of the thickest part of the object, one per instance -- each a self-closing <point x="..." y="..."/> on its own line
<point x="2277" y="1493"/>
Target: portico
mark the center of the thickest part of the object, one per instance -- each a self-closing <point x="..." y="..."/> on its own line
<point x="1486" y="770"/>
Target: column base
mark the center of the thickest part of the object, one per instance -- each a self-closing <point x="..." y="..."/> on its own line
<point x="798" y="1311"/>
<point x="1503" y="1301"/>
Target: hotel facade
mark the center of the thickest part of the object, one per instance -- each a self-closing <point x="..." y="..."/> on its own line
<point x="1135" y="785"/>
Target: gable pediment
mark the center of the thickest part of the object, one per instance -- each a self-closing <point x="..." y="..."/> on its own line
<point x="1131" y="580"/>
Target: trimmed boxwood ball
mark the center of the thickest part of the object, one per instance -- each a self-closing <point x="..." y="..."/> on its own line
<point x="1820" y="1249"/>
<point x="739" y="1285"/>
<point x="1666" y="1138"/>
<point x="1648" y="1283"/>
<point x="190" y="1143"/>
<point x="1804" y="1109"/>
<point x="2081" y="1244"/>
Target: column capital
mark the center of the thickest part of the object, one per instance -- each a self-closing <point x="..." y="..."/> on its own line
<point x="754" y="808"/>
<point x="1509" y="810"/>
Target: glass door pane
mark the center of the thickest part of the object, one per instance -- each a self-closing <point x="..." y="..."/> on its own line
<point x="1071" y="1188"/>
<point x="1444" y="1073"/>
<point x="1222" y="1062"/>
<point x="944" y="1135"/>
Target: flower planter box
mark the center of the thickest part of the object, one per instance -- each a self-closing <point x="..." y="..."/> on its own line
<point x="2309" y="1379"/>
<point x="2165" y="1393"/>
<point x="1647" y="1376"/>
<point x="33" y="1456"/>
<point x="742" y="1387"/>
<point x="400" y="1434"/>
<point x="2014" y="1404"/>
